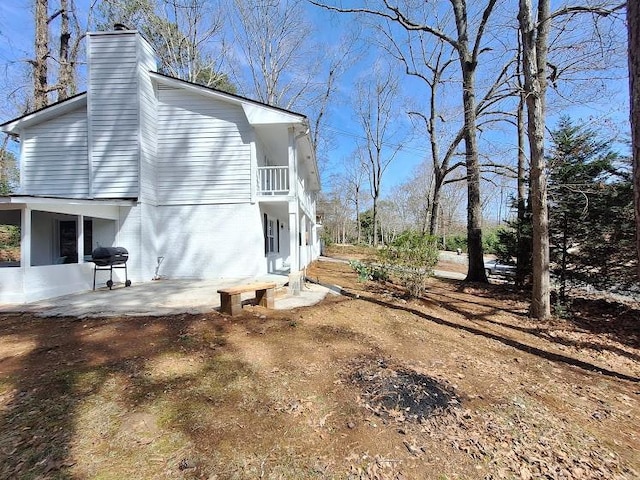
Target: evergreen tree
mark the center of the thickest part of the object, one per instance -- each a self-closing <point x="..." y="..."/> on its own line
<point x="590" y="208"/>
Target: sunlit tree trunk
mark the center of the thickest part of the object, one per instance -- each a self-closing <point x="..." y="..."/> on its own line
<point x="534" y="68"/>
<point x="40" y="67"/>
<point x="633" y="23"/>
<point x="468" y="65"/>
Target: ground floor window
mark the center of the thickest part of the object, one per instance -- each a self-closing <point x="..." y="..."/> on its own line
<point x="271" y="235"/>
<point x="68" y="235"/>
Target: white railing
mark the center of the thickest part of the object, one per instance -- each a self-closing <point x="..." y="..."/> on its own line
<point x="273" y="180"/>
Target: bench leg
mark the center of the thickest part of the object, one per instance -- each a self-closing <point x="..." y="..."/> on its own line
<point x="230" y="304"/>
<point x="265" y="298"/>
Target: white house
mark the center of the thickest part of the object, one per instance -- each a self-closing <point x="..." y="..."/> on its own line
<point x="193" y="182"/>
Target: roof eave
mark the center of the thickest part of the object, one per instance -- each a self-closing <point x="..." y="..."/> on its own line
<point x="257" y="113"/>
<point x="13" y="127"/>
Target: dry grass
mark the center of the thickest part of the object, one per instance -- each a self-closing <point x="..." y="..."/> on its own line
<point x="309" y="393"/>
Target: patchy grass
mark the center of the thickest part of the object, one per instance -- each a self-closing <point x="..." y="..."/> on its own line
<point x="457" y="384"/>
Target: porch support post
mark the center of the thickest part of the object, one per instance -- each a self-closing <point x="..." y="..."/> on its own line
<point x="25" y="238"/>
<point x="254" y="171"/>
<point x="80" y="239"/>
<point x="293" y="173"/>
<point x="295" y="277"/>
<point x="304" y="261"/>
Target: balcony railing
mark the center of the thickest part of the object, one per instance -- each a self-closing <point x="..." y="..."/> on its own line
<point x="273" y="180"/>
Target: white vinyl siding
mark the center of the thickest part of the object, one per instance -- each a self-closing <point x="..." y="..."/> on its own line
<point x="54" y="157"/>
<point x="114" y="115"/>
<point x="204" y="150"/>
<point x="210" y="241"/>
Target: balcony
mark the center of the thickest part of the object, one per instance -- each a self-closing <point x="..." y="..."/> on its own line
<point x="273" y="180"/>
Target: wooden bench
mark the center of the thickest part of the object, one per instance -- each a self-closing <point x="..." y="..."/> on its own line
<point x="231" y="303"/>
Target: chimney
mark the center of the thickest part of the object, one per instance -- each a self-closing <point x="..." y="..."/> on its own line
<point x="119" y="62"/>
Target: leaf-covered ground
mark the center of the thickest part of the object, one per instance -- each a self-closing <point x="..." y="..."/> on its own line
<point x="458" y="384"/>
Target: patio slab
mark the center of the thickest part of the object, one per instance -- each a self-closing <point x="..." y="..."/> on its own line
<point x="161" y="297"/>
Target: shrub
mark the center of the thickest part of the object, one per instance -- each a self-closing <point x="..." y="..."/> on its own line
<point x="454" y="242"/>
<point x="412" y="258"/>
<point x="9" y="236"/>
<point x="369" y="271"/>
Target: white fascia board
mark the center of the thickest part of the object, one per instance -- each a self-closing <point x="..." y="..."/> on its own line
<point x="47" y="113"/>
<point x="108" y="209"/>
<point x="263" y="115"/>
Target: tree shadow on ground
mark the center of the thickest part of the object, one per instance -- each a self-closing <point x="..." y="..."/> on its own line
<point x="477" y="330"/>
<point x="59" y="365"/>
<point x="585" y="321"/>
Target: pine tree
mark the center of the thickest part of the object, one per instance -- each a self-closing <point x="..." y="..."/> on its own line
<point x="590" y="208"/>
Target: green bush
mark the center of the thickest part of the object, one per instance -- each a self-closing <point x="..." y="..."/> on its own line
<point x="9" y="236"/>
<point x="369" y="271"/>
<point x="454" y="242"/>
<point x="412" y="258"/>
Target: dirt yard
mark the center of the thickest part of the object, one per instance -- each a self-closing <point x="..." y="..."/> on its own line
<point x="369" y="385"/>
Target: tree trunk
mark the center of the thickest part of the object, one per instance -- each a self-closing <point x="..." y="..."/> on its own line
<point x="358" y="225"/>
<point x="40" y="82"/>
<point x="475" y="272"/>
<point x="633" y="23"/>
<point x="563" y="261"/>
<point x="435" y="205"/>
<point x="523" y="250"/>
<point x="534" y="57"/>
<point x="374" y="220"/>
<point x="65" y="76"/>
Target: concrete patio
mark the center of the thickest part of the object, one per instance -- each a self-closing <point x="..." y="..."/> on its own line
<point x="162" y="297"/>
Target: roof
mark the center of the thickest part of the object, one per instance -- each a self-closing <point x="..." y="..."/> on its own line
<point x="45" y="113"/>
<point x="255" y="111"/>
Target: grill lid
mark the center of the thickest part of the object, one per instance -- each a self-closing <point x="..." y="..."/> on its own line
<point x="104" y="256"/>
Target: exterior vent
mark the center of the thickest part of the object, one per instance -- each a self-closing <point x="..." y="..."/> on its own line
<point x="120" y="27"/>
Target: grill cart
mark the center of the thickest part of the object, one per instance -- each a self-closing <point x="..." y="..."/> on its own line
<point x="108" y="258"/>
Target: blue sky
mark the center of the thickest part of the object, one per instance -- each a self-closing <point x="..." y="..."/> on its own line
<point x="608" y="112"/>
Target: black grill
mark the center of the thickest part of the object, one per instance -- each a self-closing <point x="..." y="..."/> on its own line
<point x="108" y="258"/>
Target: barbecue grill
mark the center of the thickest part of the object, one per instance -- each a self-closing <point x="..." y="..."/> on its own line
<point x="108" y="258"/>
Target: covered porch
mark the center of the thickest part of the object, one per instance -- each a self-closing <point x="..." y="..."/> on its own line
<point x="56" y="239"/>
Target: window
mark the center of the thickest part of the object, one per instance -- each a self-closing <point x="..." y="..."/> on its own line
<point x="68" y="252"/>
<point x="271" y="236"/>
<point x="67" y="240"/>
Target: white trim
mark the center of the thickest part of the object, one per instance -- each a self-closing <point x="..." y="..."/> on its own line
<point x="139" y="103"/>
<point x="18" y="200"/>
<point x="89" y="122"/>
<point x="47" y="113"/>
<point x="254" y="170"/>
<point x="257" y="113"/>
<point x="25" y="238"/>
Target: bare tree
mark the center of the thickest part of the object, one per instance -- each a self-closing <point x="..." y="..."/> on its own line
<point x="376" y="112"/>
<point x="354" y="173"/>
<point x="272" y="36"/>
<point x="71" y="36"/>
<point x="40" y="62"/>
<point x="535" y="35"/>
<point x="436" y="62"/>
<point x="536" y="71"/>
<point x="467" y="43"/>
<point x="414" y="198"/>
<point x="523" y="245"/>
<point x="633" y="24"/>
<point x="186" y="35"/>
